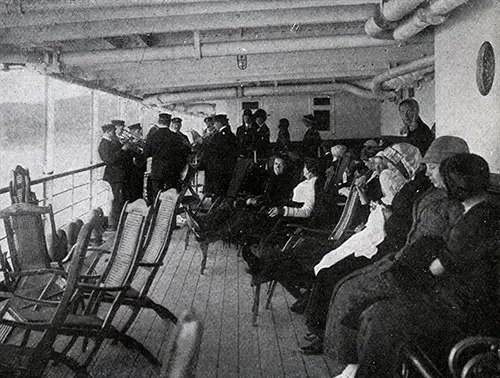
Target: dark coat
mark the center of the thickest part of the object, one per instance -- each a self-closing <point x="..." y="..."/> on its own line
<point x="116" y="160"/>
<point x="311" y="143"/>
<point x="261" y="142"/>
<point x="421" y="137"/>
<point x="220" y="159"/>
<point x="245" y="137"/>
<point x="283" y="142"/>
<point x="170" y="153"/>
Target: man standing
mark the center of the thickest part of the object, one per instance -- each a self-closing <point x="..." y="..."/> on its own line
<point x="176" y="125"/>
<point x="115" y="156"/>
<point x="417" y="132"/>
<point x="312" y="140"/>
<point x="134" y="175"/>
<point x="170" y="154"/>
<point x="220" y="157"/>
<point x="119" y="127"/>
<point x="262" y="134"/>
<point x="245" y="134"/>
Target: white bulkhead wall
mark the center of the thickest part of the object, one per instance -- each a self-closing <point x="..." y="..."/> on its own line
<point x="351" y="116"/>
<point x="460" y="109"/>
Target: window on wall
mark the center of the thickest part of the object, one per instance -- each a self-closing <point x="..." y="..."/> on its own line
<point x="321" y="109"/>
<point x="252" y="105"/>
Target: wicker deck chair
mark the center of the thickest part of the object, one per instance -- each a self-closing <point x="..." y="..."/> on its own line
<point x="20" y="186"/>
<point x="23" y="361"/>
<point x="302" y="233"/>
<point x="151" y="259"/>
<point x="114" y="281"/>
<point x="181" y="356"/>
<point x="27" y="245"/>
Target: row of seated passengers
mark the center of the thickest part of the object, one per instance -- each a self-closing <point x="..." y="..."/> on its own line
<point x="423" y="269"/>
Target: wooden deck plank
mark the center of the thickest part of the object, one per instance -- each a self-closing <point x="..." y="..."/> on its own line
<point x="229" y="352"/>
<point x="249" y="358"/>
<point x="210" y="344"/>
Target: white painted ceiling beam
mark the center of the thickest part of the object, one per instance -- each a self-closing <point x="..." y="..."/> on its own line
<point x="132" y="10"/>
<point x="231" y="20"/>
<point x="222" y="49"/>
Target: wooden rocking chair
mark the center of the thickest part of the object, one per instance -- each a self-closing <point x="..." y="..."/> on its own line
<point x="49" y="316"/>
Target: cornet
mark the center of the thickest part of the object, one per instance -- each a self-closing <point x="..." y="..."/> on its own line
<point x="136" y="144"/>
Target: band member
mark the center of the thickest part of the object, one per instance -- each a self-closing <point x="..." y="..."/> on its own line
<point x="170" y="155"/>
<point x="176" y="124"/>
<point x="119" y="127"/>
<point x="245" y="134"/>
<point x="220" y="157"/>
<point x="134" y="175"/>
<point x="262" y="134"/>
<point x="116" y="157"/>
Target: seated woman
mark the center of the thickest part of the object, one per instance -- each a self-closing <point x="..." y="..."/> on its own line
<point x="305" y="197"/>
<point x="452" y="294"/>
<point x="230" y="218"/>
<point x="432" y="213"/>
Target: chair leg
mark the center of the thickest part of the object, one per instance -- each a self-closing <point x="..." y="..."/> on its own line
<point x="270" y="293"/>
<point x="204" y="254"/>
<point x="162" y="311"/>
<point x="132" y="317"/>
<point x="97" y="344"/>
<point x="69" y="346"/>
<point x="255" y="307"/>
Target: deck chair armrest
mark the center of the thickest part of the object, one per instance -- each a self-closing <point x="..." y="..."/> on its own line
<point x="308" y="229"/>
<point x="37" y="300"/>
<point x="38" y="272"/>
<point x="149" y="264"/>
<point x="102" y="288"/>
<point x="90" y="276"/>
<point x="100" y="250"/>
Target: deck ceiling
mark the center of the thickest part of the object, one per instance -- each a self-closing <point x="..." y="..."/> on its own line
<point x="139" y="48"/>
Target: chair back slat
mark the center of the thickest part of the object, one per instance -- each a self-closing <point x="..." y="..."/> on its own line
<point x="158" y="239"/>
<point x="352" y="203"/>
<point x="125" y="253"/>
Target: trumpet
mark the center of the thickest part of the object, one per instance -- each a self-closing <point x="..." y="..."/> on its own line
<point x="136" y="144"/>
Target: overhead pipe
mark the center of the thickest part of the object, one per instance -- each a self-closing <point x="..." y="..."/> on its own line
<point x="407" y="80"/>
<point x="183" y="23"/>
<point x="96" y="11"/>
<point x="221" y="49"/>
<point x="434" y="14"/>
<point x="240" y="92"/>
<point x="403" y="19"/>
<point x="416" y="65"/>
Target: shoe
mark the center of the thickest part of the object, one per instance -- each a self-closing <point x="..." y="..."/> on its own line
<point x="314" y="348"/>
<point x="310" y="336"/>
<point x="299" y="306"/>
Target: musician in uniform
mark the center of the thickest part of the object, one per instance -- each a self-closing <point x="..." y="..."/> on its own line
<point x="170" y="155"/>
<point x="176" y="124"/>
<point x="116" y="157"/>
<point x="220" y="157"/>
<point x="245" y="134"/>
<point x="262" y="134"/>
<point x="134" y="175"/>
<point x="119" y="127"/>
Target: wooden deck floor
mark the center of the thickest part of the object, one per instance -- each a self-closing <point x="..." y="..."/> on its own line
<point x="222" y="297"/>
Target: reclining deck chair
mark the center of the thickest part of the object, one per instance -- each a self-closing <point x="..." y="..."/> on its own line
<point x="302" y="233"/>
<point x="24" y="361"/>
<point x="28" y="246"/>
<point x="114" y="281"/>
<point x="151" y="259"/>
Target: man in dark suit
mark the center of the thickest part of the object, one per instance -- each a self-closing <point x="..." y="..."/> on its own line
<point x="116" y="157"/>
<point x="262" y="134"/>
<point x="417" y="132"/>
<point x="170" y="155"/>
<point x="245" y="135"/>
<point x="220" y="157"/>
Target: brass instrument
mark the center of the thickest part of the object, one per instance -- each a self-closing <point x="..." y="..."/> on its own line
<point x="136" y="144"/>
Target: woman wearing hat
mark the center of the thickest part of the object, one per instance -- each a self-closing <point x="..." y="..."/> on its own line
<point x="283" y="141"/>
<point x="453" y="294"/>
<point x="312" y="140"/>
